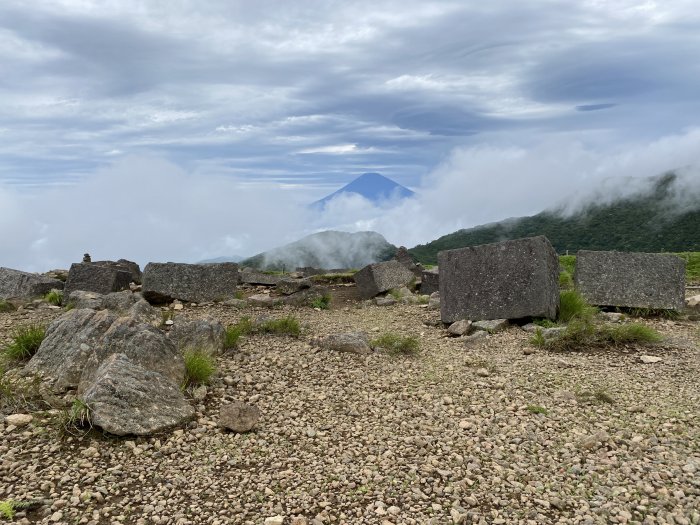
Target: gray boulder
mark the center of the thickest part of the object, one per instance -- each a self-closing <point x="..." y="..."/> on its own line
<point x="381" y="277"/>
<point x="430" y="281"/>
<point x="350" y="342"/>
<point x="460" y="328"/>
<point x="205" y="334"/>
<point x="15" y="284"/>
<point x="406" y="259"/>
<point x="90" y="277"/>
<point x="492" y="325"/>
<point x="263" y="300"/>
<point x="291" y="286"/>
<point x="434" y="301"/>
<point x="164" y="282"/>
<point x="510" y="280"/>
<point x="250" y="276"/>
<point x="239" y="417"/>
<point x="124" y="265"/>
<point x="125" y="398"/>
<point x="634" y="280"/>
<point x="80" y="299"/>
<point x="305" y="297"/>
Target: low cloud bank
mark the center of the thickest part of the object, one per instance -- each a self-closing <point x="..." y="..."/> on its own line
<point x="148" y="209"/>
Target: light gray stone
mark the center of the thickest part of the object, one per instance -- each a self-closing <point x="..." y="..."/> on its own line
<point x="384" y="301"/>
<point x="250" y="276"/>
<point x="381" y="277"/>
<point x="632" y="280"/>
<point x="205" y="334"/>
<point x="263" y="300"/>
<point x="460" y="328"/>
<point x="15" y="284"/>
<point x="350" y="342"/>
<point x="80" y="299"/>
<point x="504" y="280"/>
<point x="239" y="417"/>
<point x="164" y="282"/>
<point x="90" y="277"/>
<point x="434" y="301"/>
<point x="491" y="326"/>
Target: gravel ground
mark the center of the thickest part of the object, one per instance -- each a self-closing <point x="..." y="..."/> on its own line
<point x="478" y="433"/>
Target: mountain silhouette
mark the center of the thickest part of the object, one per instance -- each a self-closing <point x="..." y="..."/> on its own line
<point x="372" y="186"/>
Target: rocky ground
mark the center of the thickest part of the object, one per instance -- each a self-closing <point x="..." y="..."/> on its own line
<point x="481" y="433"/>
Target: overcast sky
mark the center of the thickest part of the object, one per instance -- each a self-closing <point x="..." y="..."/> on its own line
<point x="159" y="130"/>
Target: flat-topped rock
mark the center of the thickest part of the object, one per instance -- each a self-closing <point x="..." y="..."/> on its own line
<point x="15" y="284"/>
<point x="381" y="277"/>
<point x="504" y="280"/>
<point x="250" y="276"/>
<point x="90" y="277"/>
<point x="164" y="282"/>
<point x="632" y="280"/>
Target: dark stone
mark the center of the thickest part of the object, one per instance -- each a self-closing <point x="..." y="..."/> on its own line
<point x="430" y="281"/>
<point x="250" y="276"/>
<point x="633" y="280"/>
<point x="305" y="297"/>
<point x="406" y="259"/>
<point x="164" y="282"/>
<point x="90" y="277"/>
<point x="290" y="286"/>
<point x="127" y="266"/>
<point x="504" y="280"/>
<point x="381" y="277"/>
<point x="15" y="284"/>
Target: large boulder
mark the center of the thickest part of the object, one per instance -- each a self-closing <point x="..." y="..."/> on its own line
<point x="125" y="398"/>
<point x="122" y="264"/>
<point x="90" y="277"/>
<point x="290" y="286"/>
<point x="164" y="282"/>
<point x="381" y="277"/>
<point x="15" y="284"/>
<point x="251" y="276"/>
<point x="406" y="259"/>
<point x="430" y="281"/>
<point x="207" y="334"/>
<point x="349" y="342"/>
<point x="634" y="280"/>
<point x="509" y="280"/>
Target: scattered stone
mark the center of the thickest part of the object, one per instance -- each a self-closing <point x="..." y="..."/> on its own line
<point x="476" y="336"/>
<point x="164" y="282"/>
<point x="505" y="280"/>
<point x="274" y="520"/>
<point x="90" y="277"/>
<point x="290" y="286"/>
<point x="15" y="284"/>
<point x="482" y="372"/>
<point x="612" y="317"/>
<point x="236" y="303"/>
<point x="351" y="342"/>
<point x="263" y="300"/>
<point x="528" y="350"/>
<point x="649" y="359"/>
<point x="493" y="326"/>
<point x="633" y="280"/>
<point x="693" y="303"/>
<point x="384" y="301"/>
<point x="460" y="328"/>
<point x="594" y="441"/>
<point x="239" y="417"/>
<point x="19" y="420"/>
<point x="199" y="393"/>
<point x="381" y="277"/>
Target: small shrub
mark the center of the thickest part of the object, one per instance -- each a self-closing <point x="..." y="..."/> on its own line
<point x="630" y="333"/>
<point x="396" y="344"/>
<point x="573" y="306"/>
<point x="285" y="325"/>
<point x="322" y="303"/>
<point x="54" y="297"/>
<point x="234" y="332"/>
<point x="535" y="409"/>
<point x="578" y="333"/>
<point x="5" y="306"/>
<point x="25" y="341"/>
<point x="199" y="367"/>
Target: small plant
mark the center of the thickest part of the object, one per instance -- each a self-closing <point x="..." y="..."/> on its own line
<point x="651" y="312"/>
<point x="199" y="367"/>
<point x="239" y="295"/>
<point x="538" y="338"/>
<point x="234" y="332"/>
<point x="322" y="303"/>
<point x="334" y="278"/>
<point x="7" y="509"/>
<point x="567" y="263"/>
<point x="166" y="315"/>
<point x="630" y="333"/>
<point x="5" y="306"/>
<point x="566" y="282"/>
<point x="285" y="325"/>
<point x="573" y="306"/>
<point x="54" y="297"/>
<point x="396" y="344"/>
<point x="578" y="333"/>
<point x="598" y="396"/>
<point x="79" y="415"/>
<point x="544" y="323"/>
<point x="25" y="341"/>
<point x="536" y="409"/>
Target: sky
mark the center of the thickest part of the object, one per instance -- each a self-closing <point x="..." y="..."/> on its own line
<point x="159" y="130"/>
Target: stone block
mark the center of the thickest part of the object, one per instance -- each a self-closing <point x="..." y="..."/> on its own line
<point x="164" y="282"/>
<point x="430" y="281"/>
<point x="632" y="280"/>
<point x="504" y="280"/>
<point x="15" y="284"/>
<point x="376" y="278"/>
<point x="90" y="277"/>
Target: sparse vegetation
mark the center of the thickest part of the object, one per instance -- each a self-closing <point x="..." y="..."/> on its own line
<point x="54" y="297"/>
<point x="650" y="312"/>
<point x="334" y="278"/>
<point x="544" y="323"/>
<point x="166" y="315"/>
<point x="322" y="303"/>
<point x="7" y="509"/>
<point x="239" y="295"/>
<point x="285" y="325"/>
<point x="598" y="396"/>
<point x="630" y="333"/>
<point x="573" y="306"/>
<point x="5" y="306"/>
<point x="692" y="266"/>
<point x="77" y="419"/>
<point x="25" y="341"/>
<point x="396" y="344"/>
<point x="536" y="409"/>
<point x="199" y="367"/>
<point x="234" y="332"/>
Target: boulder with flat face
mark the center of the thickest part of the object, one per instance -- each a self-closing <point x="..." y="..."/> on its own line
<point x="90" y="277"/>
<point x="164" y="282"/>
<point x="381" y="277"/>
<point x="633" y="280"/>
<point x="504" y="280"/>
<point x="430" y="281"/>
<point x="15" y="284"/>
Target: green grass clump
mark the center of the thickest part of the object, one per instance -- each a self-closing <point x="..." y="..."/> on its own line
<point x="396" y="344"/>
<point x="5" y="306"/>
<point x="650" y="312"/>
<point x="199" y="367"/>
<point x="54" y="297"/>
<point x="334" y="278"/>
<point x="25" y="341"/>
<point x="692" y="266"/>
<point x="286" y="325"/>
<point x="234" y="332"/>
<point x="568" y="263"/>
<point x="536" y="409"/>
<point x="322" y="303"/>
<point x="630" y="333"/>
<point x="544" y="323"/>
<point x="7" y="509"/>
<point x="566" y="282"/>
<point x="573" y="306"/>
<point x="79" y="416"/>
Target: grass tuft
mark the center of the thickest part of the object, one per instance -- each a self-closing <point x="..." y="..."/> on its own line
<point x="536" y="409"/>
<point x="78" y="417"/>
<point x="54" y="297"/>
<point x="285" y="325"/>
<point x="322" y="303"/>
<point x="5" y="306"/>
<point x="235" y="331"/>
<point x="573" y="306"/>
<point x="25" y="342"/>
<point x="334" y="278"/>
<point x="396" y="344"/>
<point x="631" y="333"/>
<point x="566" y="282"/>
<point x="199" y="367"/>
<point x="7" y="509"/>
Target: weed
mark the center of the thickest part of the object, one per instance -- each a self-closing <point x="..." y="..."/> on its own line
<point x="54" y="297"/>
<point x="5" y="306"/>
<point x="234" y="332"/>
<point x="396" y="344"/>
<point x="650" y="312"/>
<point x="285" y="325"/>
<point x="395" y="294"/>
<point x="165" y="316"/>
<point x="566" y="282"/>
<point x="538" y="339"/>
<point x="630" y="333"/>
<point x="199" y="367"/>
<point x="598" y="396"/>
<point x="69" y="306"/>
<point x="536" y="409"/>
<point x="334" y="278"/>
<point x="573" y="306"/>
<point x="7" y="509"/>
<point x="239" y="294"/>
<point x="25" y="341"/>
<point x="322" y="303"/>
<point x="544" y="323"/>
<point x="578" y="333"/>
<point x="567" y="263"/>
<point x="422" y="299"/>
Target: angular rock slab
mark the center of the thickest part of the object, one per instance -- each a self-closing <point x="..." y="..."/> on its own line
<point x="349" y="342"/>
<point x="430" y="281"/>
<point x="632" y="280"/>
<point x="164" y="282"/>
<point x="15" y="284"/>
<point x="239" y="417"/>
<point x="504" y="280"/>
<point x="250" y="276"/>
<point x="90" y="277"/>
<point x="125" y="398"/>
<point x="381" y="277"/>
<point x="206" y="334"/>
